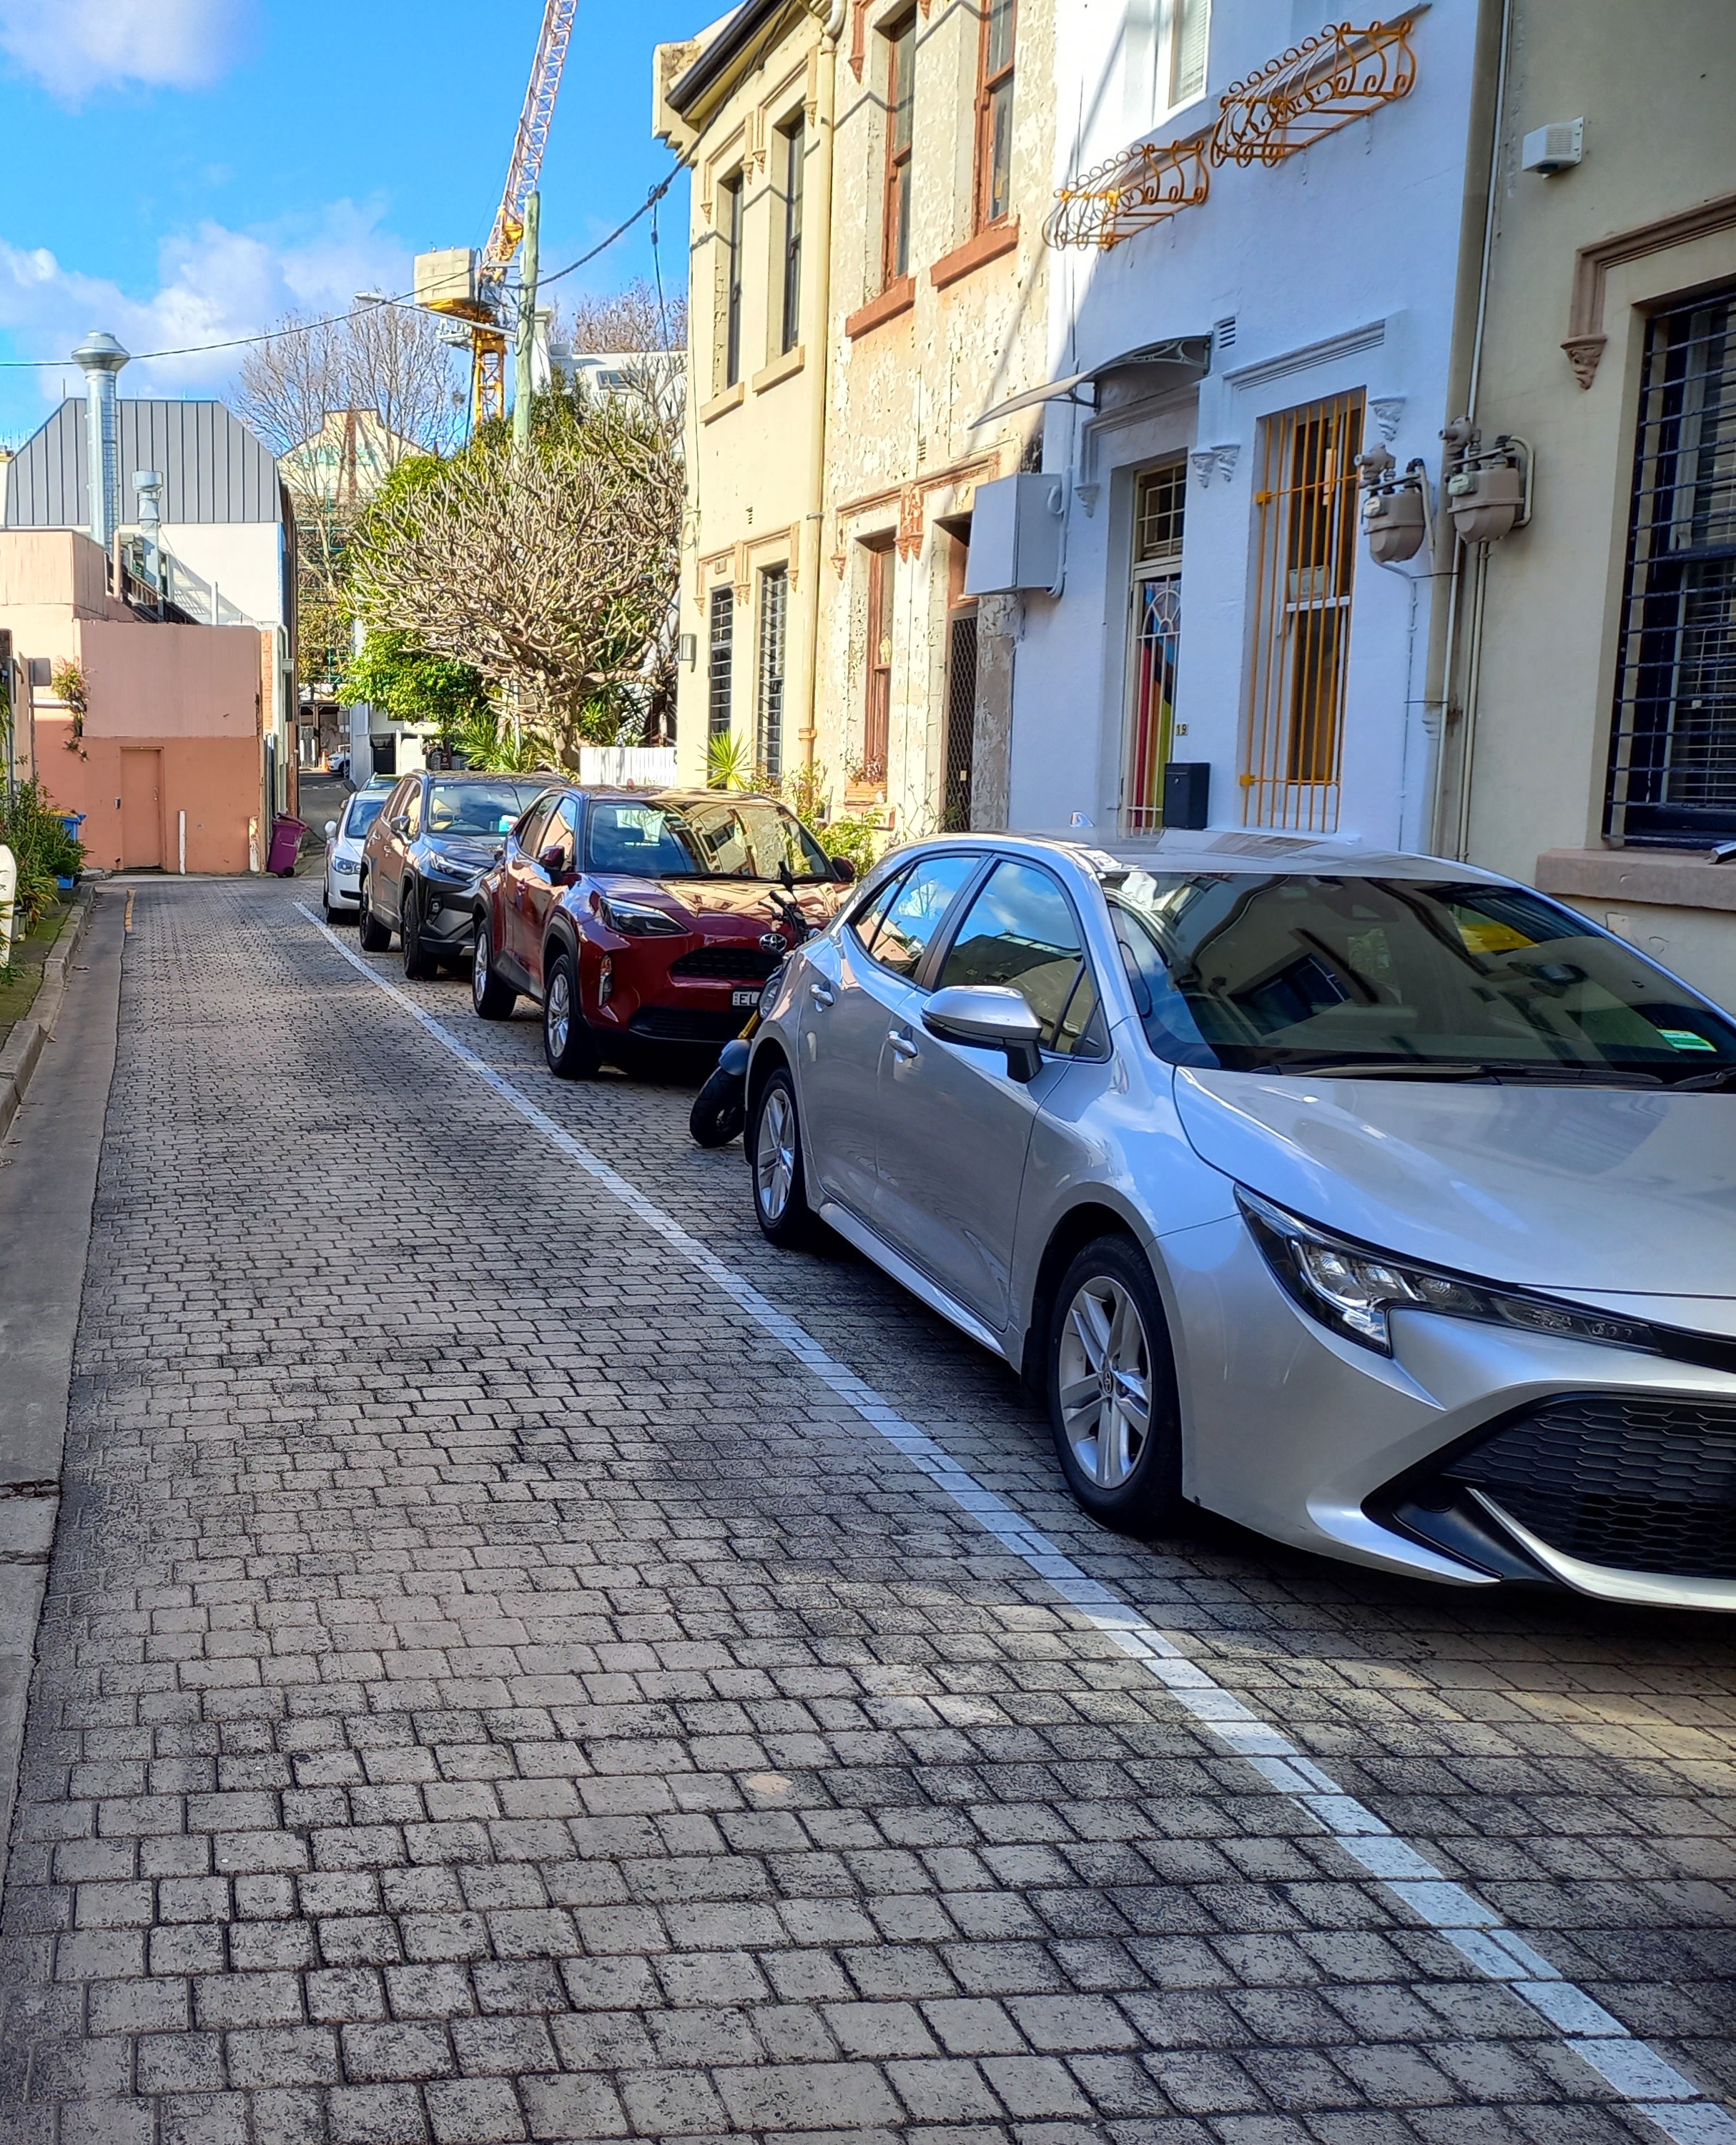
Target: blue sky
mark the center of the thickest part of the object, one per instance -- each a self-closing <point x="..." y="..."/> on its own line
<point x="183" y="171"/>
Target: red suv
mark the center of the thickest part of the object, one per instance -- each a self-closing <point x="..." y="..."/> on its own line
<point x="642" y="918"/>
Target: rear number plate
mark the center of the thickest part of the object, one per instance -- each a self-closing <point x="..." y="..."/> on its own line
<point x="744" y="998"/>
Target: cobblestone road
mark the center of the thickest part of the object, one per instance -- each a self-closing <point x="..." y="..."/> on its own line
<point x="488" y="1690"/>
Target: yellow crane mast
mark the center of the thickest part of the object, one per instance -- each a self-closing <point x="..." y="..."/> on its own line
<point x="457" y="283"/>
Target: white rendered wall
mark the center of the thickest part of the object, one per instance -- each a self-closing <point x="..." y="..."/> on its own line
<point x="242" y="557"/>
<point x="1338" y="268"/>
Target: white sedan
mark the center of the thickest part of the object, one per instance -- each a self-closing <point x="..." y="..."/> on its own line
<point x="343" y="838"/>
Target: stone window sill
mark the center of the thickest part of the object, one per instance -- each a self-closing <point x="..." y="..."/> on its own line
<point x="1656" y="878"/>
<point x="895" y="299"/>
<point x="780" y="368"/>
<point x="720" y="405"/>
<point x="988" y="244"/>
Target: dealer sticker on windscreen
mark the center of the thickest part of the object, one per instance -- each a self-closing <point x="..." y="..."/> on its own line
<point x="744" y="998"/>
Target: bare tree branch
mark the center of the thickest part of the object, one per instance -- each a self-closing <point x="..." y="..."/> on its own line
<point x="550" y="569"/>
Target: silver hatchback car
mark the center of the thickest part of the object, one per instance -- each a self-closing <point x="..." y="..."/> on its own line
<point x="1376" y="1202"/>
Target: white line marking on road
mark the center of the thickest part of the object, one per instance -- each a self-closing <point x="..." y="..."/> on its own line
<point x="1635" y="2070"/>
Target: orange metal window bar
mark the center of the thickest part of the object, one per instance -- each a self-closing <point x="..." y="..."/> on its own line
<point x="1301" y="624"/>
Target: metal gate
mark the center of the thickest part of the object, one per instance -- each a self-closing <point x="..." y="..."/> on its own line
<point x="955" y="817"/>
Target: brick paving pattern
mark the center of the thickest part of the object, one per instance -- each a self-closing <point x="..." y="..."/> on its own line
<point x="487" y="1692"/>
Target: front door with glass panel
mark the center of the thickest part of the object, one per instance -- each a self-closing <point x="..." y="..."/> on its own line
<point x="1155" y="603"/>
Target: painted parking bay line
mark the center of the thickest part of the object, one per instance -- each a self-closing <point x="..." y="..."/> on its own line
<point x="1632" y="2068"/>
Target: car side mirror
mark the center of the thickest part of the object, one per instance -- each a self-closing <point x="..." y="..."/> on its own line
<point x="989" y="1016"/>
<point x="843" y="871"/>
<point x="401" y="823"/>
<point x="499" y="851"/>
<point x="553" y="861"/>
<point x="330" y="830"/>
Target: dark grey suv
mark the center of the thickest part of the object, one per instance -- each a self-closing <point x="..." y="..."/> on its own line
<point x="437" y="834"/>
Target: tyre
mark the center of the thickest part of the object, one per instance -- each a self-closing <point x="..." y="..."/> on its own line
<point x="1111" y="1381"/>
<point x="420" y="964"/>
<point x="774" y="1154"/>
<point x="492" y="998"/>
<point x="375" y="936"/>
<point x="720" y="1108"/>
<point x="567" y="1042"/>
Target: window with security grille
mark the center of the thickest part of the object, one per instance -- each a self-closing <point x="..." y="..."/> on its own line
<point x="1673" y="744"/>
<point x="720" y="660"/>
<point x="1160" y="498"/>
<point x="1304" y="565"/>
<point x="773" y="633"/>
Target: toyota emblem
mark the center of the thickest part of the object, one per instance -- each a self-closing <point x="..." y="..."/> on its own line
<point x="771" y="942"/>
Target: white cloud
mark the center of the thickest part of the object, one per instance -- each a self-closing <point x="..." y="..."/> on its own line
<point x="214" y="285"/>
<point x="74" y="46"/>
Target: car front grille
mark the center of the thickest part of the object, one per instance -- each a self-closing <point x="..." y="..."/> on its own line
<point x="674" y="1024"/>
<point x="1643" y="1482"/>
<point x="727" y="963"/>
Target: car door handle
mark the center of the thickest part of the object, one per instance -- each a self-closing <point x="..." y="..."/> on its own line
<point x="820" y="995"/>
<point x="902" y="1043"/>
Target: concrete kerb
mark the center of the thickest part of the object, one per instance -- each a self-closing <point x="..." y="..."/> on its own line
<point x="23" y="1047"/>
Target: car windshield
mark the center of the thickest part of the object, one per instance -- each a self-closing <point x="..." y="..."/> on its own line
<point x="363" y="809"/>
<point x="739" y="838"/>
<point x="1393" y="976"/>
<point x="479" y="807"/>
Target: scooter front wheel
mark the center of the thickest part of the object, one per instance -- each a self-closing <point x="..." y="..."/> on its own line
<point x="719" y="1108"/>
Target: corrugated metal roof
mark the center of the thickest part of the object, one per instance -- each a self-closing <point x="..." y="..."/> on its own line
<point x="212" y="467"/>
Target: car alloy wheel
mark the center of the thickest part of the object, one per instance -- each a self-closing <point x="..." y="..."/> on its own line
<point x="774" y="1149"/>
<point x="1106" y="1382"/>
<point x="568" y="1044"/>
<point x="492" y="998"/>
<point x="774" y="1155"/>
<point x="1112" y="1388"/>
<point x="558" y="1011"/>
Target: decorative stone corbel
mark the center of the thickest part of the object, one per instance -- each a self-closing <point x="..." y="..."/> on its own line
<point x="1583" y="354"/>
<point x="1215" y="461"/>
<point x="910" y="521"/>
<point x="1386" y="413"/>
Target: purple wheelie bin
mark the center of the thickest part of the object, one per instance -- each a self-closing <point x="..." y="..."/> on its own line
<point x="285" y="841"/>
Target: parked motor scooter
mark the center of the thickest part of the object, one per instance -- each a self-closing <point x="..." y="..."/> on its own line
<point x="720" y="1108"/>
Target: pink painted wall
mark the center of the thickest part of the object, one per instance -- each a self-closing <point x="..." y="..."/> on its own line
<point x="161" y="681"/>
<point x="216" y="781"/>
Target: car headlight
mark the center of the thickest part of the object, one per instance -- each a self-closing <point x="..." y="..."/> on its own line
<point x="450" y="878"/>
<point x="1351" y="1289"/>
<point x="635" y="919"/>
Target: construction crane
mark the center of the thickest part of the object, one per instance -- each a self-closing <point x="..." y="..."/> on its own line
<point x="455" y="281"/>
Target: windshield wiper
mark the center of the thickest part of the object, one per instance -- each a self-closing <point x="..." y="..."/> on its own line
<point x="1722" y="1076"/>
<point x="1497" y="1071"/>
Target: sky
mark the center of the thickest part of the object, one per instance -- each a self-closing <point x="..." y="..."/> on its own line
<point x="181" y="171"/>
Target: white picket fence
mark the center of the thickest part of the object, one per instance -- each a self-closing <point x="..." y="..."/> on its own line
<point x="627" y="766"/>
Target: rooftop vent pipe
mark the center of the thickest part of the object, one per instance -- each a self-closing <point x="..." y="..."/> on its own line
<point x="100" y="357"/>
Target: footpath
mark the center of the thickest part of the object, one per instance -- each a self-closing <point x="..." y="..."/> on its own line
<point x="57" y="1062"/>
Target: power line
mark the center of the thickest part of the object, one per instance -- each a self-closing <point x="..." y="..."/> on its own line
<point x="335" y="320"/>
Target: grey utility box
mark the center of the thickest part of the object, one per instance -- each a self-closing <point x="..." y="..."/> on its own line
<point x="1015" y="535"/>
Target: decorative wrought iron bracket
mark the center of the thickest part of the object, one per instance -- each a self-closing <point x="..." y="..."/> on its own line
<point x="1339" y="75"/>
<point x="1145" y="185"/>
